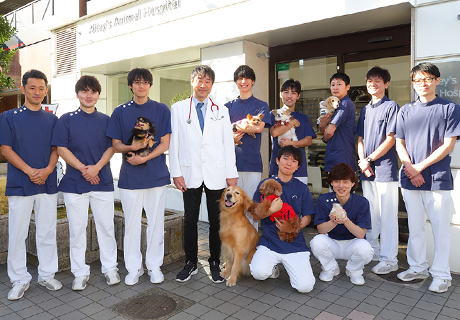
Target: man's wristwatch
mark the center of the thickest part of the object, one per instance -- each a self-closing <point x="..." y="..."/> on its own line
<point x="369" y="160"/>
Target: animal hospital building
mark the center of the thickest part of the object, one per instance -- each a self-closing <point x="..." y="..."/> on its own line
<point x="305" y="40"/>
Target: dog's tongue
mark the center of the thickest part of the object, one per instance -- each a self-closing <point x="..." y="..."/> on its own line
<point x="228" y="203"/>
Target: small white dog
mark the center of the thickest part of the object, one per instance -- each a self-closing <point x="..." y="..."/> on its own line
<point x="282" y="118"/>
<point x="328" y="106"/>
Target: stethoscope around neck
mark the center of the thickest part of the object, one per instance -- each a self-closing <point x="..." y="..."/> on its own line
<point x="189" y="120"/>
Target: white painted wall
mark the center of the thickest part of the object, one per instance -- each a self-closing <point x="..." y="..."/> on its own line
<point x="437" y="30"/>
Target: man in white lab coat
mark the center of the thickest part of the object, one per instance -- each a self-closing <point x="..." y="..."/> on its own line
<point x="202" y="155"/>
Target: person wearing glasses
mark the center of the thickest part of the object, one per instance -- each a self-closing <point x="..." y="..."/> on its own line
<point x="143" y="179"/>
<point x="426" y="132"/>
<point x="202" y="156"/>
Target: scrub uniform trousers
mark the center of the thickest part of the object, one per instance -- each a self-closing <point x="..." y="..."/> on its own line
<point x="383" y="202"/>
<point x="20" y="211"/>
<point x="297" y="266"/>
<point x="435" y="204"/>
<point x="153" y="202"/>
<point x="102" y="207"/>
<point x="358" y="253"/>
<point x="248" y="181"/>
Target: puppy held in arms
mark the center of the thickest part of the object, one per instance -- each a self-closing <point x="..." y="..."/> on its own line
<point x="282" y="118"/>
<point x="269" y="190"/>
<point x="328" y="106"/>
<point x="243" y="124"/>
<point x="142" y="135"/>
<point x="238" y="236"/>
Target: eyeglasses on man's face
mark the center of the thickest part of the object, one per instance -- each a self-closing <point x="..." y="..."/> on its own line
<point x="140" y="82"/>
<point x="419" y="81"/>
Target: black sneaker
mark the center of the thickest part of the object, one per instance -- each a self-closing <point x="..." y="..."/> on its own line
<point x="189" y="270"/>
<point x="215" y="272"/>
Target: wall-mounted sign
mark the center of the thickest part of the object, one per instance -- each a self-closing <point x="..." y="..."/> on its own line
<point x="449" y="86"/>
<point x="283" y="70"/>
<point x="140" y="15"/>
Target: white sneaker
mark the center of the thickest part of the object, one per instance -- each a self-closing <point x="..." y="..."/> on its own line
<point x="275" y="273"/>
<point x="156" y="276"/>
<point x="133" y="277"/>
<point x="410" y="275"/>
<point x="79" y="283"/>
<point x="17" y="291"/>
<point x="439" y="285"/>
<point x="384" y="268"/>
<point x="355" y="278"/>
<point x="112" y="277"/>
<point x="327" y="276"/>
<point x="51" y="284"/>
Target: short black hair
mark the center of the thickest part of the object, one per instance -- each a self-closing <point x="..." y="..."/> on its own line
<point x="291" y="84"/>
<point x="35" y="74"/>
<point x="139" y="74"/>
<point x="203" y="71"/>
<point x="377" y="72"/>
<point x="87" y="83"/>
<point x="244" y="71"/>
<point x="425" y="67"/>
<point x="343" y="171"/>
<point x="340" y="76"/>
<point x="291" y="151"/>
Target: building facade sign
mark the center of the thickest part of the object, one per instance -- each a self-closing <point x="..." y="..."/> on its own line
<point x="125" y="20"/>
<point x="449" y="86"/>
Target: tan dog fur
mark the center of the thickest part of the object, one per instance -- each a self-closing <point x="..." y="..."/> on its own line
<point x="238" y="236"/>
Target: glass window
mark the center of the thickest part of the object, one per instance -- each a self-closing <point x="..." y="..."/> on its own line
<point x="313" y="75"/>
<point x="170" y="84"/>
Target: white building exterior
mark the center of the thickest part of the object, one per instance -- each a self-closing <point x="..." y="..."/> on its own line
<point x="171" y="37"/>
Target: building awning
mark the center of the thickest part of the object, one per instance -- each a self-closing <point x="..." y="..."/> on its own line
<point x="13" y="43"/>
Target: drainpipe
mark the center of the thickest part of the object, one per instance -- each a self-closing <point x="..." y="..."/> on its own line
<point x="82" y="8"/>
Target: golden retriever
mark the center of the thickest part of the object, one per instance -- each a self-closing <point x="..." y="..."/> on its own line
<point x="239" y="237"/>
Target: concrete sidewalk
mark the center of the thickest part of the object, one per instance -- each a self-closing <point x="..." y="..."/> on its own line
<point x="249" y="299"/>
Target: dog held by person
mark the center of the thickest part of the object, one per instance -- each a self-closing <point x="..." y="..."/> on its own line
<point x="282" y="118"/>
<point x="243" y="124"/>
<point x="328" y="106"/>
<point x="142" y="134"/>
<point x="270" y="190"/>
<point x="238" y="236"/>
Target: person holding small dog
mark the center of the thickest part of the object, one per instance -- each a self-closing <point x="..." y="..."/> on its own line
<point x="338" y="129"/>
<point x="342" y="234"/>
<point x="378" y="162"/>
<point x="271" y="251"/>
<point x="202" y="156"/>
<point x="248" y="158"/>
<point x="143" y="179"/>
<point x="31" y="184"/>
<point x="81" y="141"/>
<point x="426" y="132"/>
<point x="290" y="94"/>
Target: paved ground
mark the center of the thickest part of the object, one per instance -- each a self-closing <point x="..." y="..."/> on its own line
<point x="249" y="299"/>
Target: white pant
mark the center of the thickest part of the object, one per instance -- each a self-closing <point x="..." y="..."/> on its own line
<point x="296" y="264"/>
<point x="153" y="202"/>
<point x="358" y="252"/>
<point x="248" y="181"/>
<point x="77" y="213"/>
<point x="383" y="202"/>
<point x="436" y="204"/>
<point x="20" y="210"/>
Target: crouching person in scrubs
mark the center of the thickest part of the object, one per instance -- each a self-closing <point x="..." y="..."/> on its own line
<point x="342" y="230"/>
